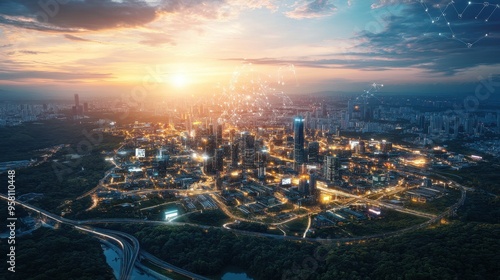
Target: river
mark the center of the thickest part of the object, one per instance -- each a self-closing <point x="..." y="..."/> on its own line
<point x="233" y="273"/>
<point x="114" y="261"/>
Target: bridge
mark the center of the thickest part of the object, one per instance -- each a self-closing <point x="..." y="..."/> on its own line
<point x="128" y="243"/>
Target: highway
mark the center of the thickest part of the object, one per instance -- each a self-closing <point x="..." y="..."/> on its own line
<point x="378" y="203"/>
<point x="129" y="244"/>
<point x="129" y="253"/>
<point x="308" y="226"/>
<point x="131" y="248"/>
<point x="156" y="261"/>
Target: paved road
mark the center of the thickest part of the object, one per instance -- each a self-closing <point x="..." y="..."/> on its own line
<point x="378" y="203"/>
<point x="129" y="244"/>
<point x="131" y="249"/>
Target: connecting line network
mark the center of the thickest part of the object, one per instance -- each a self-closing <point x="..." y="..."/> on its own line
<point x="451" y="7"/>
<point x="368" y="93"/>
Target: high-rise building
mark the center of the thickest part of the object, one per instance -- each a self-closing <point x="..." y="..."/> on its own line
<point x="261" y="164"/>
<point x="361" y="147"/>
<point x="331" y="168"/>
<point x="385" y="146"/>
<point x="313" y="149"/>
<point x="350" y="107"/>
<point x="303" y="186"/>
<point x="211" y="129"/>
<point x="324" y="112"/>
<point x="210" y="145"/>
<point x="234" y="154"/>
<point x="313" y="184"/>
<point x="218" y="135"/>
<point x="298" y="141"/>
<point x="77" y="101"/>
<point x="421" y="121"/>
<point x="232" y="133"/>
<point x="219" y="160"/>
<point x="248" y="150"/>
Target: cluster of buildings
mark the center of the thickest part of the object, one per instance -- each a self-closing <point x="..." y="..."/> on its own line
<point x="12" y="114"/>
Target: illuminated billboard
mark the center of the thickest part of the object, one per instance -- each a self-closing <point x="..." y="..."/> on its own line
<point x="286" y="181"/>
<point x="140" y="153"/>
<point x="170" y="214"/>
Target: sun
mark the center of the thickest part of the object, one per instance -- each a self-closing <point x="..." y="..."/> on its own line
<point x="179" y="80"/>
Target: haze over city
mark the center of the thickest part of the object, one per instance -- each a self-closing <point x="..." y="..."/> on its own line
<point x="249" y="139"/>
<point x="105" y="47"/>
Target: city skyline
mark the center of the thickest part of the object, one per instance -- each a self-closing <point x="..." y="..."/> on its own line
<point x="108" y="47"/>
<point x="249" y="139"/>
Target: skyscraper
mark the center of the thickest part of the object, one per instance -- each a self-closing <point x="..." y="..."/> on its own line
<point x="261" y="164"/>
<point x="298" y="141"/>
<point x="248" y="150"/>
<point x="234" y="154"/>
<point x="218" y="135"/>
<point x="77" y="101"/>
<point x="77" y="109"/>
<point x="219" y="160"/>
<point x="313" y="151"/>
<point x="331" y="168"/>
<point x="210" y="145"/>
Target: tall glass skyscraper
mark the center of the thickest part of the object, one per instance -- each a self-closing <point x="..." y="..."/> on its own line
<point x="298" y="141"/>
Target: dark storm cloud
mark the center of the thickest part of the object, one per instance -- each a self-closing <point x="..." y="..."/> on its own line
<point x="411" y="40"/>
<point x="75" y="15"/>
<point x="86" y="14"/>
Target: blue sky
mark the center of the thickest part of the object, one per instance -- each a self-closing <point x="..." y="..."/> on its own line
<point x="298" y="46"/>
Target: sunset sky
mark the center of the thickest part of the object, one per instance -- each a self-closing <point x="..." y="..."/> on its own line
<point x="106" y="47"/>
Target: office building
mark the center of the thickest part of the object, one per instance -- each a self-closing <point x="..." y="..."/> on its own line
<point x="298" y="141"/>
<point x="313" y="151"/>
<point x="331" y="168"/>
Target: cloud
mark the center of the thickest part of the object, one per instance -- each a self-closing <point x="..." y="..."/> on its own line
<point x="156" y="39"/>
<point x="433" y="47"/>
<point x="25" y="52"/>
<point x="95" y="15"/>
<point x="383" y="3"/>
<point x="76" y="38"/>
<point x="407" y="42"/>
<point x="30" y="52"/>
<point x="408" y="39"/>
<point x="313" y="9"/>
<point x="51" y="75"/>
